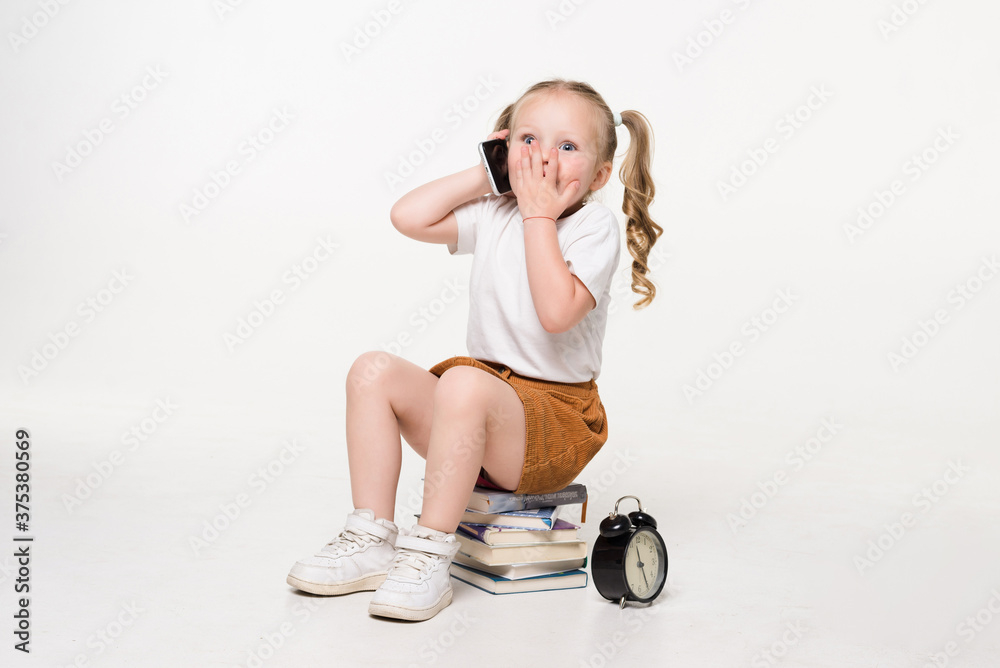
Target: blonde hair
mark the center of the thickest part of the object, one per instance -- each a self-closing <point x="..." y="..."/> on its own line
<point x="641" y="231"/>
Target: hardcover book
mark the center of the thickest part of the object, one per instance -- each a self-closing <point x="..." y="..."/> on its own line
<point x="495" y="584"/>
<point x="491" y="535"/>
<point x="520" y="554"/>
<point x="486" y="500"/>
<point x="535" y="518"/>
<point x="520" y="571"/>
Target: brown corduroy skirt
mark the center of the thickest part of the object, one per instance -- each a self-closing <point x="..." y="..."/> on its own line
<point x="565" y="425"/>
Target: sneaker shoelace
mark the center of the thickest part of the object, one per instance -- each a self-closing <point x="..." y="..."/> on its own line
<point x="348" y="542"/>
<point x="412" y="564"/>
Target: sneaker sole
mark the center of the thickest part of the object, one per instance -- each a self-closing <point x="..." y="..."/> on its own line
<point x="410" y="614"/>
<point x="366" y="583"/>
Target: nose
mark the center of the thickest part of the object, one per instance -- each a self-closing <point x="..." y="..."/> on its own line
<point x="543" y="149"/>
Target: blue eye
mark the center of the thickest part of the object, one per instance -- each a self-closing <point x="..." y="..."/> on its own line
<point x="528" y="139"/>
<point x="567" y="146"/>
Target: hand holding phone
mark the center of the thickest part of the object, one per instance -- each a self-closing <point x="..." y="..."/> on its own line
<point x="494" y="156"/>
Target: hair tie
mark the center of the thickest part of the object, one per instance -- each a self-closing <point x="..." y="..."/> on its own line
<point x="618" y="119"/>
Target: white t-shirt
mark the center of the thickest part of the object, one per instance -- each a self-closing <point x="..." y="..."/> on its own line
<point x="503" y="323"/>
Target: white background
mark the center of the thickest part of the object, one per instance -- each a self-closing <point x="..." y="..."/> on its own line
<point x="692" y="458"/>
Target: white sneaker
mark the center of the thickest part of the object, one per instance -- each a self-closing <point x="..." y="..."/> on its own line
<point x="419" y="583"/>
<point x="356" y="560"/>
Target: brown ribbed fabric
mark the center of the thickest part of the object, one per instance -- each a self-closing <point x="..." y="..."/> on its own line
<point x="565" y="425"/>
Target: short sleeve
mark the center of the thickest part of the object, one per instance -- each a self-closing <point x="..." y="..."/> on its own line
<point x="468" y="216"/>
<point x="593" y="255"/>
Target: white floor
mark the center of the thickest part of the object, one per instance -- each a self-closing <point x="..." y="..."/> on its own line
<point x="117" y="580"/>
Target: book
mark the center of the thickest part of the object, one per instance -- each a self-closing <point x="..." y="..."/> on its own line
<point x="519" y="554"/>
<point x="486" y="500"/>
<point x="491" y="535"/>
<point x="494" y="584"/>
<point x="520" y="571"/>
<point x="537" y="518"/>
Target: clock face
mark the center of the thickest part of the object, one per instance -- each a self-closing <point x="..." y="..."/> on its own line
<point x="645" y="564"/>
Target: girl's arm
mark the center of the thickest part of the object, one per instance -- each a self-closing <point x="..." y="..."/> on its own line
<point x="424" y="213"/>
<point x="560" y="298"/>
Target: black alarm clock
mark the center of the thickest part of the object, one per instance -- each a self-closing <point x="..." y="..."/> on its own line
<point x="629" y="561"/>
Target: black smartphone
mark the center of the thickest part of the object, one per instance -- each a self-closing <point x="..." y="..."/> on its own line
<point x="494" y="155"/>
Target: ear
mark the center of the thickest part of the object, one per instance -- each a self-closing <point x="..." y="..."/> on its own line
<point x="602" y="176"/>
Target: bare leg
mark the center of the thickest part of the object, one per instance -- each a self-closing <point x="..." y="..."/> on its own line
<point x="478" y="420"/>
<point x="387" y="396"/>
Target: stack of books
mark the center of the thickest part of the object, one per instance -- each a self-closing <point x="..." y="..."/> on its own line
<point x="519" y="542"/>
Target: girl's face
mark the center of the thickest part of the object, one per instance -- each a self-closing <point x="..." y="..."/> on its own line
<point x="567" y="122"/>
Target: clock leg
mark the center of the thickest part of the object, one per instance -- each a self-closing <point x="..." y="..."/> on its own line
<point x="621" y="605"/>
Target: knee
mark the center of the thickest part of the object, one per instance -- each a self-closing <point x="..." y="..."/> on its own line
<point x="461" y="390"/>
<point x="369" y="370"/>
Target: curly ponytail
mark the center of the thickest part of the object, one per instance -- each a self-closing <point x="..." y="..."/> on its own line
<point x="641" y="231"/>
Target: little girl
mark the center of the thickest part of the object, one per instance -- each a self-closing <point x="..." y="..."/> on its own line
<point x="522" y="411"/>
